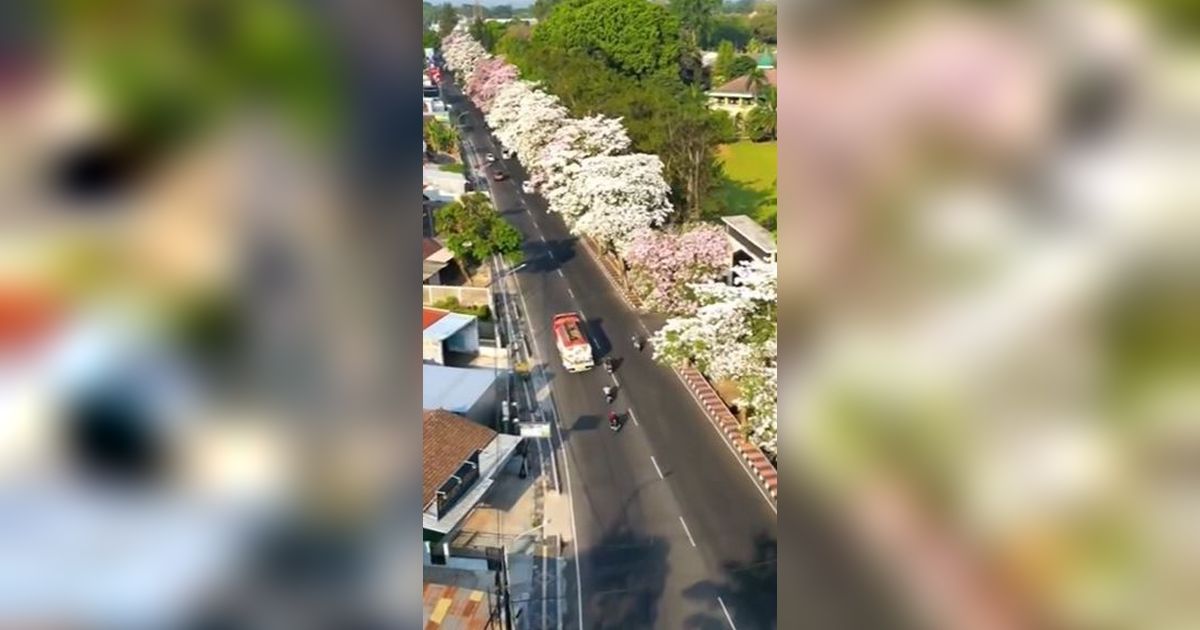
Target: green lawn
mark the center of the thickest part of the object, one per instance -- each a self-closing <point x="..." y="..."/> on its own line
<point x="751" y="184"/>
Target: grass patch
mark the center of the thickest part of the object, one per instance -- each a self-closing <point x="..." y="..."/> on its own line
<point x="453" y="167"/>
<point x="749" y="186"/>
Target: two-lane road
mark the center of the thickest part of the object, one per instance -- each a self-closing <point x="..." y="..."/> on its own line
<point x="672" y="531"/>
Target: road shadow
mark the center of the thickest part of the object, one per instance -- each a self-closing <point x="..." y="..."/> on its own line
<point x="626" y="575"/>
<point x="747" y="588"/>
<point x="586" y="423"/>
<point x="600" y="341"/>
<point x="547" y="256"/>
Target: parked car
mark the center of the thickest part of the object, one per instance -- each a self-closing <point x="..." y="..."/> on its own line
<point x="527" y="187"/>
<point x="499" y="175"/>
<point x="508" y="154"/>
<point x="490" y="158"/>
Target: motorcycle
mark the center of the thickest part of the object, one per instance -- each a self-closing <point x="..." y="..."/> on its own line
<point x="614" y="422"/>
<point x="610" y="395"/>
<point x="608" y="365"/>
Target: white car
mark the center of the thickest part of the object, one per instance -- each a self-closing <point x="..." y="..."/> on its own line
<point x="490" y="158"/>
<point x="527" y="187"/>
<point x="507" y="154"/>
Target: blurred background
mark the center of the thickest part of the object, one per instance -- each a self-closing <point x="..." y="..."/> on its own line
<point x="990" y="213"/>
<point x="198" y="346"/>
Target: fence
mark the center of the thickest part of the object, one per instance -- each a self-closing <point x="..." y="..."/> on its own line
<point x="467" y="296"/>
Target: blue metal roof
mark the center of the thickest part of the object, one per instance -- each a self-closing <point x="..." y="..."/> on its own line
<point x="454" y="389"/>
<point x="447" y="326"/>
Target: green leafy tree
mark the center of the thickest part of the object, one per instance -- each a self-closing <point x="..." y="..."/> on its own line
<point x="742" y="65"/>
<point x="430" y="39"/>
<point x="447" y="19"/>
<point x="440" y="136"/>
<point x="732" y="28"/>
<point x="502" y="11"/>
<point x="637" y="38"/>
<point x="473" y="231"/>
<point x="723" y="66"/>
<point x="695" y="19"/>
<point x="541" y="9"/>
<point x="760" y="124"/>
<point x="763" y="24"/>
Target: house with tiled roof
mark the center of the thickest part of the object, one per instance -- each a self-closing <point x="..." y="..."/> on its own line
<point x="738" y="96"/>
<point x="460" y="460"/>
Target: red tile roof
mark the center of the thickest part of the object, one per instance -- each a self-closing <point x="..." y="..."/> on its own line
<point x="430" y="316"/>
<point x="447" y="441"/>
<point x="741" y="85"/>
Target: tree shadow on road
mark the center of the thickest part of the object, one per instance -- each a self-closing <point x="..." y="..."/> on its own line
<point x="547" y="256"/>
<point x="748" y="588"/>
<point x="626" y="575"/>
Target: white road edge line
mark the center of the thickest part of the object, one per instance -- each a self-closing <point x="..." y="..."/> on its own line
<point x="656" y="468"/>
<point x="634" y="417"/>
<point x="687" y="531"/>
<point x="754" y="480"/>
<point x="560" y="273"/>
<point x="570" y="293"/>
<point x="726" y="611"/>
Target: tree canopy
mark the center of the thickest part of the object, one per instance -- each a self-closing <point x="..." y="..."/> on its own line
<point x="637" y="38"/>
<point x="473" y="231"/>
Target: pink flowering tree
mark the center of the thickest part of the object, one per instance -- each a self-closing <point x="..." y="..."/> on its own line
<point x="486" y="80"/>
<point x="664" y="266"/>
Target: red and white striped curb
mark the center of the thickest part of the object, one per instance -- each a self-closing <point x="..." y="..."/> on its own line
<point x="728" y="425"/>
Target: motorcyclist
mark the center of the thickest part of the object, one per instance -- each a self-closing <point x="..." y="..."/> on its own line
<point x="637" y="342"/>
<point x="608" y="364"/>
<point x="612" y="419"/>
<point x="608" y="393"/>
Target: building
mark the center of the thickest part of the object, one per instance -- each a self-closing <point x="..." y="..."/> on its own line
<point x="435" y="257"/>
<point x="766" y="61"/>
<point x="442" y="186"/>
<point x="749" y="240"/>
<point x="708" y="58"/>
<point x="738" y="96"/>
<point x="459" y="462"/>
<point x="469" y="392"/>
<point x="446" y="334"/>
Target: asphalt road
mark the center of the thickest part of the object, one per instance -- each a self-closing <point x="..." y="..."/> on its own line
<point x="672" y="530"/>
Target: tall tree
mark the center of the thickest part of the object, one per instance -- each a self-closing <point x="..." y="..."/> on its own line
<point x="447" y="19"/>
<point x="695" y="19"/>
<point x="723" y="66"/>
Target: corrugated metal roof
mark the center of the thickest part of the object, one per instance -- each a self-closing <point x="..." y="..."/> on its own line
<point x="453" y="389"/>
<point x="446" y="326"/>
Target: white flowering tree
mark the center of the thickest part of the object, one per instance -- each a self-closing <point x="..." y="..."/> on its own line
<point x="558" y="162"/>
<point x="461" y="52"/>
<point x="615" y="197"/>
<point x="524" y="119"/>
<point x="733" y="336"/>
